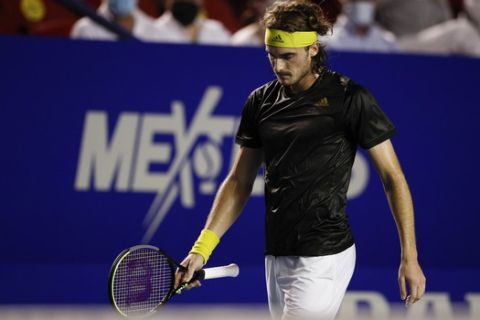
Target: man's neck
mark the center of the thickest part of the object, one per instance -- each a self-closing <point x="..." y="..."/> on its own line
<point x="304" y="84"/>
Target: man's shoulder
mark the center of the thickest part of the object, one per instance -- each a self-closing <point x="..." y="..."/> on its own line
<point x="346" y="87"/>
<point x="266" y="89"/>
<point x="333" y="83"/>
<point x="355" y="89"/>
<point x="335" y="76"/>
<point x="344" y="80"/>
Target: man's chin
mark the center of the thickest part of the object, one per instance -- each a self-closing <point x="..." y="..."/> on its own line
<point x="286" y="81"/>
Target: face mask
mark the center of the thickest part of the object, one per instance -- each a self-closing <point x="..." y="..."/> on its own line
<point x="121" y="8"/>
<point x="360" y="12"/>
<point x="472" y="8"/>
<point x="185" y="12"/>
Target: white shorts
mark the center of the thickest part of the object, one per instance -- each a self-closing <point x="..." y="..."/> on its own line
<point x="308" y="287"/>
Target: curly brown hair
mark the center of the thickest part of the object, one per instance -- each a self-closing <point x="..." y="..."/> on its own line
<point x="300" y="15"/>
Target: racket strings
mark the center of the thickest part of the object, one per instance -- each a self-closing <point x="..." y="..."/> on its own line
<point x="142" y="281"/>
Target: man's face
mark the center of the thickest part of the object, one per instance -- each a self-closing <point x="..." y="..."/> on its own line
<point x="290" y="65"/>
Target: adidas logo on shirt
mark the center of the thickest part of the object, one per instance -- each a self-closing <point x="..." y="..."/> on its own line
<point x="323" y="102"/>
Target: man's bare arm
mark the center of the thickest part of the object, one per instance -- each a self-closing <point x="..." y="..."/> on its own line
<point x="228" y="204"/>
<point x="400" y="201"/>
<point x="235" y="191"/>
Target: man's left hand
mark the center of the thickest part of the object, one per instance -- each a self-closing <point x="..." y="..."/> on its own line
<point x="410" y="273"/>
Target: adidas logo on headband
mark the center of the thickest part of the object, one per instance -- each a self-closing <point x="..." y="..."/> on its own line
<point x="277" y="38"/>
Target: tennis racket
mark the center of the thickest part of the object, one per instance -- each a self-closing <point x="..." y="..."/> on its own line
<point x="142" y="279"/>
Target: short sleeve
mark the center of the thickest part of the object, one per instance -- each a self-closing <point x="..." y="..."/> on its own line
<point x="247" y="134"/>
<point x="365" y="122"/>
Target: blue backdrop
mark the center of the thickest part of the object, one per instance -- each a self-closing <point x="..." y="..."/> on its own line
<point x="91" y="132"/>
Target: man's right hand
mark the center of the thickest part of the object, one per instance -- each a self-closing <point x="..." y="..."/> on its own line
<point x="193" y="262"/>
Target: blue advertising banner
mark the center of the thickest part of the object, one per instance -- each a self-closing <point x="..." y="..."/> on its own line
<point x="107" y="145"/>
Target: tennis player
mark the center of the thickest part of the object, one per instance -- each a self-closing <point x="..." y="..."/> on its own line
<point x="305" y="127"/>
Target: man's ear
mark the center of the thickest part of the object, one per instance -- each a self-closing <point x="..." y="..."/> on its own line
<point x="313" y="49"/>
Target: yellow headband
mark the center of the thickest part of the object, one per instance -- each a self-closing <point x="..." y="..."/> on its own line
<point x="284" y="39"/>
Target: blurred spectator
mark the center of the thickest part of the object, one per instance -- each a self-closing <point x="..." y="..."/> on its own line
<point x="253" y="33"/>
<point x="356" y="30"/>
<point x="405" y="17"/>
<point x="458" y="36"/>
<point x="123" y="12"/>
<point x="183" y="22"/>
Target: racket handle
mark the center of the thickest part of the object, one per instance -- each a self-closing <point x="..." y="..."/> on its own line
<point x="232" y="270"/>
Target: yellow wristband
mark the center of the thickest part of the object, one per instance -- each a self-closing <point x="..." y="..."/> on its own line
<point x="206" y="242"/>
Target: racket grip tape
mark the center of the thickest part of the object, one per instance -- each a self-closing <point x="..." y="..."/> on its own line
<point x="232" y="270"/>
<point x="198" y="275"/>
